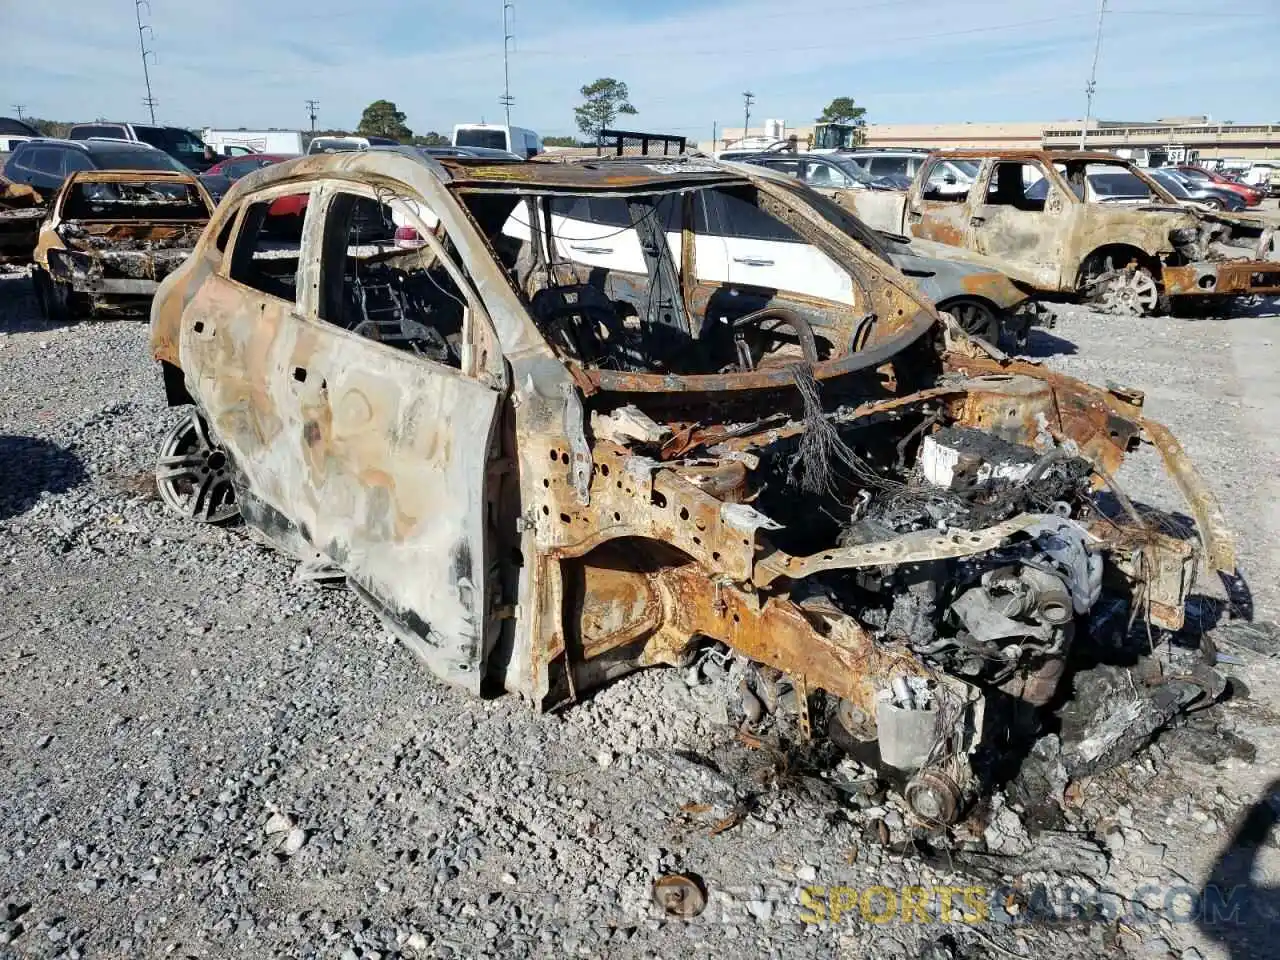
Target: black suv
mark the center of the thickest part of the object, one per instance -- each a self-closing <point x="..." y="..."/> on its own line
<point x="44" y="164"/>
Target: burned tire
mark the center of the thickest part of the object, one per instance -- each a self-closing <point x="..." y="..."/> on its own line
<point x="976" y="317"/>
<point x="193" y="475"/>
<point x="53" y="298"/>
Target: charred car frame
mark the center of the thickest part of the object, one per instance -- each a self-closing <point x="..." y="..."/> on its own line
<point x="110" y="237"/>
<point x="543" y="475"/>
<point x="1036" y="216"/>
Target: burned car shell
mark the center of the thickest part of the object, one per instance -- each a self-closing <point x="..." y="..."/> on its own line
<point x="111" y="257"/>
<point x="21" y="211"/>
<point x="1060" y="248"/>
<point x="547" y="523"/>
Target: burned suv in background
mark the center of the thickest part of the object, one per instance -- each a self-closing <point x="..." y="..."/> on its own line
<point x="1085" y="224"/>
<point x="544" y="472"/>
<point x="110" y="237"/>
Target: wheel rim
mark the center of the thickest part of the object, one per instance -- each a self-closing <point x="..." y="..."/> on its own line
<point x="974" y="318"/>
<point x="194" y="476"/>
<point x="1130" y="293"/>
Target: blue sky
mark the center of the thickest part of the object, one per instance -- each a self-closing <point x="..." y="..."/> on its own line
<point x="253" y="63"/>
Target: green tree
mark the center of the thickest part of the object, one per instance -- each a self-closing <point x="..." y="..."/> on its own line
<point x="602" y="101"/>
<point x="430" y="139"/>
<point x="560" y="141"/>
<point x="50" y="128"/>
<point x="382" y="119"/>
<point x="844" y="110"/>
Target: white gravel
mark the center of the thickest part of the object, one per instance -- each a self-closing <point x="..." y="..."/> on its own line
<point x="199" y="758"/>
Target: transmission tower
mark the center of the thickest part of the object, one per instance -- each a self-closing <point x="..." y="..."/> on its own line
<point x="313" y="108"/>
<point x="143" y="29"/>
<point x="508" y="6"/>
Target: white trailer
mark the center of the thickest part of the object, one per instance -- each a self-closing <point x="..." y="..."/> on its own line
<point x="239" y="142"/>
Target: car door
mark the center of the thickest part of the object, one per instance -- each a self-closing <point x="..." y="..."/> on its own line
<point x="1021" y="215"/>
<point x="233" y="337"/>
<point x="763" y="252"/>
<point x="938" y="210"/>
<point x="390" y="402"/>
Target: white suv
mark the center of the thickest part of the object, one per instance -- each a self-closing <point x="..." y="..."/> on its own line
<point x="949" y="176"/>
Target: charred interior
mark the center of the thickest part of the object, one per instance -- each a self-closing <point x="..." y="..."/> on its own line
<point x="113" y="239"/>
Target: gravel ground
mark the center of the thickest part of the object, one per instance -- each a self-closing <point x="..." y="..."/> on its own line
<point x="203" y="759"/>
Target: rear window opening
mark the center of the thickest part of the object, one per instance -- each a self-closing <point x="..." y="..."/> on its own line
<point x="149" y="200"/>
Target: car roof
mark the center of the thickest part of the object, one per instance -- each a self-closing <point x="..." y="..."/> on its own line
<point x="643" y="174"/>
<point x="974" y="153"/>
<point x="95" y="145"/>
<point x="277" y="157"/>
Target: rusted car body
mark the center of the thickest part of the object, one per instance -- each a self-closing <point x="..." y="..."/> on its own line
<point x="110" y="237"/>
<point x="543" y="475"/>
<point x="1031" y="213"/>
<point x="21" y="210"/>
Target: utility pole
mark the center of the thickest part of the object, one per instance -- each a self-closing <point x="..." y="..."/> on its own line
<point x="19" y="107"/>
<point x="507" y="38"/>
<point x="1093" y="75"/>
<point x="143" y="29"/>
<point x="747" y="97"/>
<point x="313" y="107"/>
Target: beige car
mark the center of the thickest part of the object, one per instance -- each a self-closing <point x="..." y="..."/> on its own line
<point x="1049" y="220"/>
<point x="110" y="237"/>
<point x="543" y="473"/>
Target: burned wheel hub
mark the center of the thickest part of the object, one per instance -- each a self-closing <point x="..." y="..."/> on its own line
<point x="193" y="476"/>
<point x="933" y="797"/>
<point x="976" y="319"/>
<point x="1129" y="293"/>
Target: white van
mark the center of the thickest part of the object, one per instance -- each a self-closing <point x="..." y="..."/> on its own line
<point x="234" y="143"/>
<point x="497" y="136"/>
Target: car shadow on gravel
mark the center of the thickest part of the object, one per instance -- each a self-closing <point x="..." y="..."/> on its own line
<point x="1041" y="343"/>
<point x="19" y="311"/>
<point x="1233" y="908"/>
<point x="29" y="467"/>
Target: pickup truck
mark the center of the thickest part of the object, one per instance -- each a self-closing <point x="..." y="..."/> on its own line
<point x="1067" y="222"/>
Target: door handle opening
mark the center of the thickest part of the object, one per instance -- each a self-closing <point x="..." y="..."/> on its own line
<point x="753" y="262"/>
<point x="599" y="251"/>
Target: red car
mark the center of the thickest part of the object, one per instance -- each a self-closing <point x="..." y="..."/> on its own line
<point x="1247" y="193"/>
<point x="233" y="168"/>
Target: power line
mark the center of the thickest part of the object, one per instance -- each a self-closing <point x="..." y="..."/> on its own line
<point x="747" y="97"/>
<point x="149" y="101"/>
<point x="313" y="109"/>
<point x="19" y="107"/>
